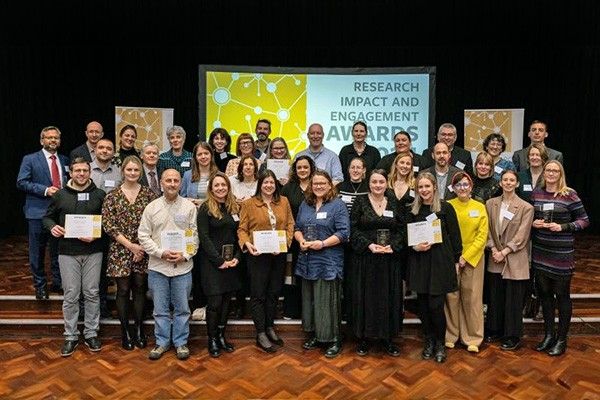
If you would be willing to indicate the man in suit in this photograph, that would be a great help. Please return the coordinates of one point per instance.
(150, 175)
(443, 171)
(93, 132)
(538, 132)
(459, 157)
(41, 175)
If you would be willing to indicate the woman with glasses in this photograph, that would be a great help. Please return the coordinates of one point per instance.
(220, 141)
(495, 144)
(464, 307)
(244, 147)
(558, 213)
(322, 226)
(432, 266)
(266, 211)
(377, 240)
(277, 150)
(510, 220)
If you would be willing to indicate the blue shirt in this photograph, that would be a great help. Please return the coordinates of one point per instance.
(193, 190)
(331, 219)
(327, 161)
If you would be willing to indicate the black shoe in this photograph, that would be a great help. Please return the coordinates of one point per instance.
(224, 344)
(510, 343)
(139, 338)
(273, 336)
(427, 352)
(362, 348)
(41, 293)
(68, 347)
(104, 312)
(57, 289)
(440, 352)
(559, 348)
(334, 350)
(546, 343)
(126, 341)
(311, 344)
(264, 343)
(492, 337)
(93, 343)
(213, 347)
(391, 348)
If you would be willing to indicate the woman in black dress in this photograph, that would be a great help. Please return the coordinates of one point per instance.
(377, 235)
(218, 222)
(432, 267)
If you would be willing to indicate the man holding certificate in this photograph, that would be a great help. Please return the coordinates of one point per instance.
(265, 231)
(74, 218)
(168, 234)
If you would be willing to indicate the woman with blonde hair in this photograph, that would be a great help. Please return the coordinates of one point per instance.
(485, 185)
(558, 213)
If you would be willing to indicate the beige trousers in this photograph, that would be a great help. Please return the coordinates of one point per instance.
(464, 308)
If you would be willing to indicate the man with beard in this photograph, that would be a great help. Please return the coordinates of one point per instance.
(443, 171)
(93, 133)
(262, 130)
(459, 157)
(41, 175)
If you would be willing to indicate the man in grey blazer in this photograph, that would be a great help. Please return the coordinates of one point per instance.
(538, 132)
(443, 171)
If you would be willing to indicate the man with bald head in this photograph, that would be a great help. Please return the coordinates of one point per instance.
(93, 132)
(324, 158)
(443, 171)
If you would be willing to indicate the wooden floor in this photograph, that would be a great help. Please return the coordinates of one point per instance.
(34, 370)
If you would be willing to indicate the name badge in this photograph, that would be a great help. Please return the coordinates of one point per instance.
(223, 156)
(66, 168)
(460, 165)
(507, 214)
(415, 168)
(473, 213)
(289, 257)
(185, 164)
(235, 217)
(450, 188)
(431, 217)
(498, 169)
(321, 215)
(109, 183)
(346, 198)
(527, 188)
(548, 207)
(388, 213)
(262, 157)
(411, 193)
(83, 196)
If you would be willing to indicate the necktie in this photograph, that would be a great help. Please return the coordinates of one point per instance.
(153, 182)
(54, 172)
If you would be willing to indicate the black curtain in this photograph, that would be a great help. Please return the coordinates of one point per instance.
(67, 64)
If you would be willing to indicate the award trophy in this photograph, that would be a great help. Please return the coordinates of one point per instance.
(547, 216)
(310, 233)
(227, 252)
(383, 237)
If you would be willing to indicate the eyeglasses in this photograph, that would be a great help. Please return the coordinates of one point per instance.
(462, 185)
(553, 171)
(320, 183)
(244, 143)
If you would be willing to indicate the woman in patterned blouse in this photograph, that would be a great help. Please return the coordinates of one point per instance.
(127, 262)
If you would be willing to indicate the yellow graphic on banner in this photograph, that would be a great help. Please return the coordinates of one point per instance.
(235, 101)
(147, 121)
(479, 124)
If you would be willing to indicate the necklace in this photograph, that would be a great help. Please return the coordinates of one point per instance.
(355, 187)
(379, 205)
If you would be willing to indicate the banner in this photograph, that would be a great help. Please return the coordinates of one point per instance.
(507, 122)
(151, 124)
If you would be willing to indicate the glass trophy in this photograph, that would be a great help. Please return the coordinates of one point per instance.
(227, 252)
(310, 232)
(383, 237)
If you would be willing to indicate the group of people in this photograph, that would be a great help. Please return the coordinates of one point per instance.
(337, 230)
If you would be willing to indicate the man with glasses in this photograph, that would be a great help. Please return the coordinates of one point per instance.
(459, 157)
(41, 175)
(93, 132)
(443, 171)
(538, 132)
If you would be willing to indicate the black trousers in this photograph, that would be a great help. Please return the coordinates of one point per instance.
(266, 273)
(431, 313)
(548, 287)
(505, 306)
(217, 310)
(199, 299)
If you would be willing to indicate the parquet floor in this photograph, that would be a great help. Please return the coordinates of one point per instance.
(34, 370)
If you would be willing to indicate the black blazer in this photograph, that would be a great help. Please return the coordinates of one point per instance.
(81, 151)
(457, 154)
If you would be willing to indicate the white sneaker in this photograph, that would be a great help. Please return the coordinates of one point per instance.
(199, 314)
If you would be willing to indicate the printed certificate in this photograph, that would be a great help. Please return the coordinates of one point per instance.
(83, 226)
(426, 231)
(270, 241)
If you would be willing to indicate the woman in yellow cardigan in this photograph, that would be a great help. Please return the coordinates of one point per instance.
(464, 308)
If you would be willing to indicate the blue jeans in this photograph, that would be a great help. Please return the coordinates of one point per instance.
(39, 238)
(167, 291)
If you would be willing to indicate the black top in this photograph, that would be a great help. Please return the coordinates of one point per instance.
(457, 154)
(213, 233)
(387, 161)
(485, 188)
(81, 151)
(294, 194)
(349, 191)
(370, 155)
(221, 159)
(434, 271)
